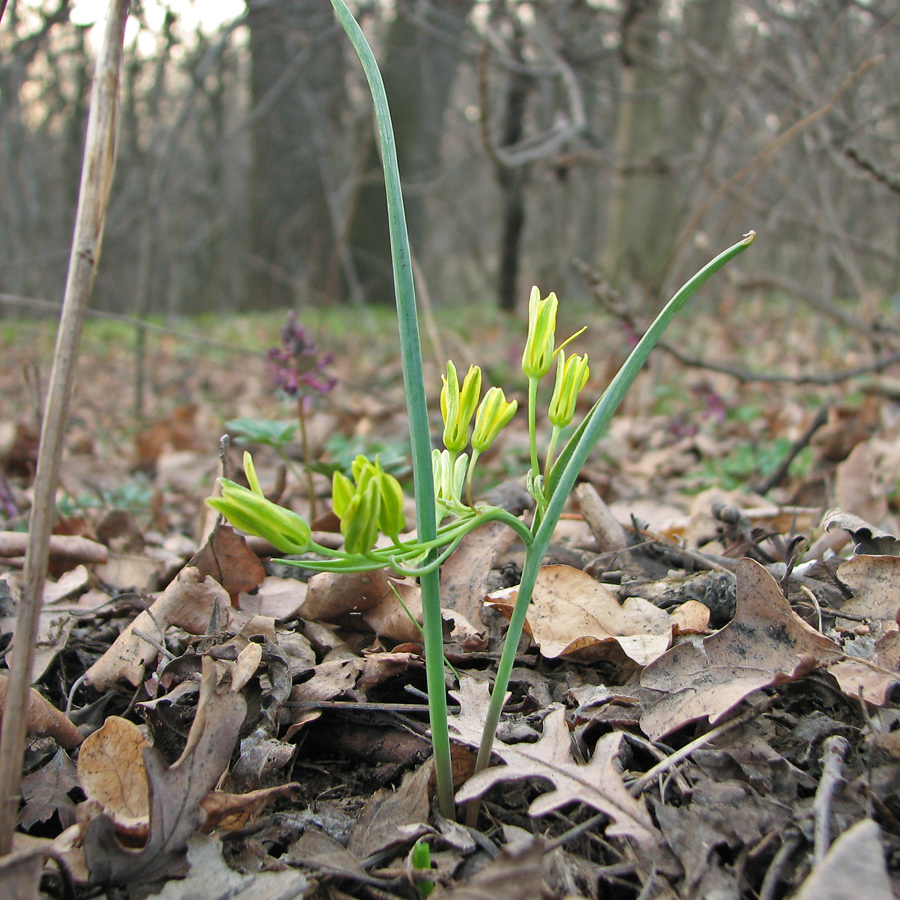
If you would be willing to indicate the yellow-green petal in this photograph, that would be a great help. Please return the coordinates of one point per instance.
(493, 415)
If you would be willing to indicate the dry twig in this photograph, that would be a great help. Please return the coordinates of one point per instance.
(96, 179)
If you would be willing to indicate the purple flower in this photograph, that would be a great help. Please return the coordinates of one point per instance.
(295, 362)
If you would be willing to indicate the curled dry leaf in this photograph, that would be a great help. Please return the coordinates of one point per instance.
(570, 613)
(44, 718)
(234, 811)
(766, 643)
(188, 602)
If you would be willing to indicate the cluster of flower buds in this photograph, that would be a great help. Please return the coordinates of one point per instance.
(369, 504)
(369, 501)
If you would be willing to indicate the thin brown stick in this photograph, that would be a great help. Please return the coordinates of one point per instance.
(96, 179)
(833, 751)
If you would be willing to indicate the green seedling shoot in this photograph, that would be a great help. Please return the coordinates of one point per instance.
(370, 503)
(420, 860)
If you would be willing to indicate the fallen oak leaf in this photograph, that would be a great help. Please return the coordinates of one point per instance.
(570, 612)
(597, 783)
(46, 792)
(176, 793)
(766, 643)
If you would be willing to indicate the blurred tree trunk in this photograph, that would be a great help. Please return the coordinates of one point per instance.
(658, 125)
(297, 92)
(419, 66)
(512, 179)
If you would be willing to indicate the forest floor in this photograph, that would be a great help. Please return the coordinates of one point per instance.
(703, 708)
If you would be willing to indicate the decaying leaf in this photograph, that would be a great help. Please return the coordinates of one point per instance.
(867, 538)
(571, 612)
(598, 783)
(188, 602)
(392, 817)
(514, 875)
(233, 811)
(766, 643)
(46, 791)
(875, 580)
(854, 864)
(176, 793)
(226, 557)
(464, 576)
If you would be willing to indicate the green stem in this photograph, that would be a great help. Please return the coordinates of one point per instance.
(307, 461)
(551, 452)
(562, 480)
(532, 425)
(420, 437)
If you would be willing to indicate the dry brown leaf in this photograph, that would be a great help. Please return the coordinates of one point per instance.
(464, 575)
(597, 783)
(226, 558)
(46, 791)
(111, 771)
(234, 811)
(392, 817)
(176, 793)
(766, 643)
(875, 581)
(188, 602)
(690, 617)
(332, 595)
(20, 874)
(514, 875)
(854, 863)
(571, 612)
(44, 718)
(280, 598)
(855, 487)
(867, 538)
(66, 548)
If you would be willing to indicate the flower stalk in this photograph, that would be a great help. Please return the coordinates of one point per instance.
(370, 504)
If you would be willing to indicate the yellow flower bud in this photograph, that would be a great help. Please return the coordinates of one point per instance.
(391, 520)
(342, 489)
(538, 355)
(458, 406)
(359, 524)
(255, 514)
(493, 415)
(571, 376)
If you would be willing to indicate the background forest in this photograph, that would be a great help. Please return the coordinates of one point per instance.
(636, 137)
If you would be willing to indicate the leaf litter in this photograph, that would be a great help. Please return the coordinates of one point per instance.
(209, 725)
